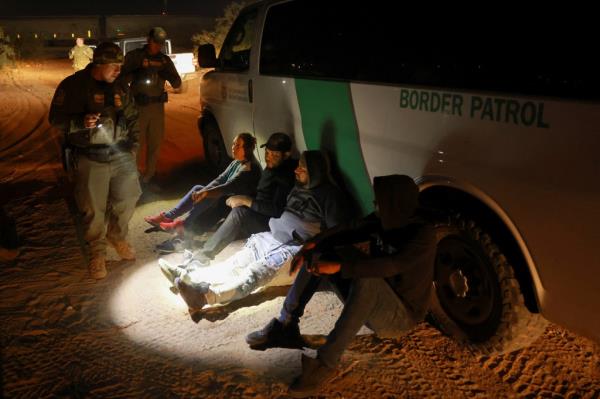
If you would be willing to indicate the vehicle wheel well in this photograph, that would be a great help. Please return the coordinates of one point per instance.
(443, 201)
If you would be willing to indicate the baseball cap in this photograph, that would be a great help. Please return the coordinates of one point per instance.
(278, 142)
(108, 53)
(157, 34)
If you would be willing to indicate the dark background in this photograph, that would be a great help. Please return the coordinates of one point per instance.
(10, 8)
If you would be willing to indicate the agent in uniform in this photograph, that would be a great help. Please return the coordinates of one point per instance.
(80, 54)
(99, 121)
(146, 69)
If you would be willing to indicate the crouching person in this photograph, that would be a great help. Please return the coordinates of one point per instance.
(314, 203)
(387, 287)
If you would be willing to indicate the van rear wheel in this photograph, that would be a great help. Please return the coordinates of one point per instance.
(476, 297)
(214, 147)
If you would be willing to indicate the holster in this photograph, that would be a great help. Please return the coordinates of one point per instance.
(69, 159)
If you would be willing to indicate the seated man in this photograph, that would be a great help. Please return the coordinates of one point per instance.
(387, 287)
(251, 215)
(314, 203)
(206, 204)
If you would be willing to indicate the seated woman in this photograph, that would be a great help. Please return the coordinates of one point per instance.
(206, 204)
(315, 203)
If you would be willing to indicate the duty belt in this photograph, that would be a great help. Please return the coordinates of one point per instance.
(143, 99)
(102, 153)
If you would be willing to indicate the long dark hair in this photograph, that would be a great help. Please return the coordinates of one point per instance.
(249, 144)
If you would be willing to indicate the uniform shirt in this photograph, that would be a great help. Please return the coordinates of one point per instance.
(81, 56)
(147, 73)
(80, 94)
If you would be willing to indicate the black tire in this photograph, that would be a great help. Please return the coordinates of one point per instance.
(476, 298)
(214, 147)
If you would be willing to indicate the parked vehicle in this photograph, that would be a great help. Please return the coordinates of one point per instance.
(497, 123)
(184, 62)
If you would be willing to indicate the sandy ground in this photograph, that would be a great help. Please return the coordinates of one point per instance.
(65, 335)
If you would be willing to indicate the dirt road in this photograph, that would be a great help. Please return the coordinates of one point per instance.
(65, 335)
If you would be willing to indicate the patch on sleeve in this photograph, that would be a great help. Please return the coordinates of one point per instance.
(99, 98)
(59, 97)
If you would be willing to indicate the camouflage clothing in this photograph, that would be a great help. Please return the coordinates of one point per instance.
(81, 56)
(146, 75)
(107, 186)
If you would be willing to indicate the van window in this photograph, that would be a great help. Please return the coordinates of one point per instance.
(317, 39)
(235, 53)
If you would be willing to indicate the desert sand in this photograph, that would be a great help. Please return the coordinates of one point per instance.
(129, 336)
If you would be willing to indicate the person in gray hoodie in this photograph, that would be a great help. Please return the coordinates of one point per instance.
(381, 267)
(314, 204)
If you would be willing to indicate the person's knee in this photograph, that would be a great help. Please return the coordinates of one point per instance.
(361, 287)
(239, 213)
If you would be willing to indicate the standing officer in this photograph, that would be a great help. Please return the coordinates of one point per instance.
(146, 70)
(80, 54)
(99, 121)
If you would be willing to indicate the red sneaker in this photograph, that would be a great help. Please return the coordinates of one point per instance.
(157, 219)
(173, 225)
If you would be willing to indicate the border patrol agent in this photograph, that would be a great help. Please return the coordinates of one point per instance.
(80, 54)
(146, 69)
(99, 121)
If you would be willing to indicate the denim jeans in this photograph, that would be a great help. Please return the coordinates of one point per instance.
(245, 271)
(185, 204)
(369, 301)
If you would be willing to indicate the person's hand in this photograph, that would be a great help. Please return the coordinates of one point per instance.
(239, 200)
(90, 120)
(198, 196)
(324, 267)
(299, 259)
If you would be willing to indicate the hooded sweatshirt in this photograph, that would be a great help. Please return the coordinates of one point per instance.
(312, 207)
(402, 246)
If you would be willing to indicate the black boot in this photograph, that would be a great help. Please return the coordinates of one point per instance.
(276, 335)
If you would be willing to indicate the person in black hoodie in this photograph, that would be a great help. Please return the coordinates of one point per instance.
(386, 284)
(251, 215)
(314, 204)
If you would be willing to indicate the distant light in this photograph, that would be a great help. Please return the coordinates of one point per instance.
(148, 81)
(72, 34)
(35, 35)
(89, 33)
(18, 35)
(54, 35)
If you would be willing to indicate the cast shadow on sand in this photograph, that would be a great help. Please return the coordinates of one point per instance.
(217, 313)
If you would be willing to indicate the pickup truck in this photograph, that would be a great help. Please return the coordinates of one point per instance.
(184, 62)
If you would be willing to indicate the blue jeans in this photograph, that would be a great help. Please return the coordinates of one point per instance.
(185, 204)
(203, 215)
(369, 301)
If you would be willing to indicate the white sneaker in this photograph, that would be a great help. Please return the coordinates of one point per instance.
(97, 267)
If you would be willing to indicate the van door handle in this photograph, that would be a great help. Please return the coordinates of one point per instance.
(250, 94)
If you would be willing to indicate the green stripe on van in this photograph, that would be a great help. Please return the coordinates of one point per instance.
(328, 123)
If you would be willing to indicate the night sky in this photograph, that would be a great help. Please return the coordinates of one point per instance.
(10, 8)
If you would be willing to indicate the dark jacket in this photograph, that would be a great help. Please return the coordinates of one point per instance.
(239, 178)
(313, 207)
(273, 189)
(404, 255)
(80, 94)
(147, 73)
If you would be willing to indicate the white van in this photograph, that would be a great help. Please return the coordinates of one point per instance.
(497, 120)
